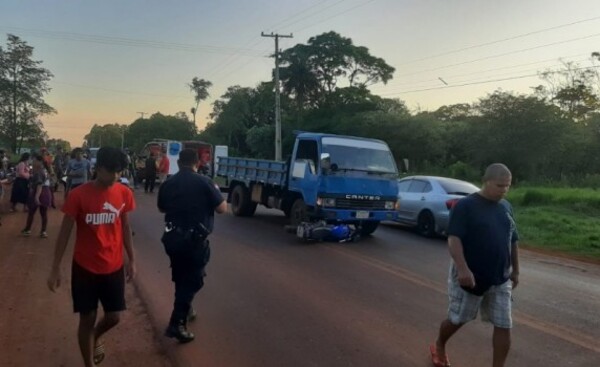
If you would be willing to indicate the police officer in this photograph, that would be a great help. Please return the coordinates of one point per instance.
(189, 201)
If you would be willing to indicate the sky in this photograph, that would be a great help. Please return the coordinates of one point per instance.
(114, 61)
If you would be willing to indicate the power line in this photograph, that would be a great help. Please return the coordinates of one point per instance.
(130, 42)
(333, 16)
(503, 54)
(483, 82)
(114, 90)
(501, 40)
(485, 71)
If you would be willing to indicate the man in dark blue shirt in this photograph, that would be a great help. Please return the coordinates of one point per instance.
(189, 201)
(483, 243)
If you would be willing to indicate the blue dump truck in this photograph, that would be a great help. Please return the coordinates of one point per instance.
(339, 179)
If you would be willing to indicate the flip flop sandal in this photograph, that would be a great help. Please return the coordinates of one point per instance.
(99, 353)
(436, 359)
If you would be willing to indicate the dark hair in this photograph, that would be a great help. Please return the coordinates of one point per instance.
(188, 157)
(24, 157)
(40, 158)
(111, 159)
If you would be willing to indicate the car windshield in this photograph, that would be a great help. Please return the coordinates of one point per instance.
(457, 187)
(359, 155)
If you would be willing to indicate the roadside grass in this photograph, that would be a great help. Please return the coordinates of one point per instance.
(565, 220)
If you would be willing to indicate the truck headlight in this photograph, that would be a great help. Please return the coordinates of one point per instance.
(390, 205)
(326, 202)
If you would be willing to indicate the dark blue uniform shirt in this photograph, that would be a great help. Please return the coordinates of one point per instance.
(487, 230)
(187, 198)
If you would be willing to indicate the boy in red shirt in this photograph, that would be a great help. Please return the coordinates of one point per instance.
(100, 210)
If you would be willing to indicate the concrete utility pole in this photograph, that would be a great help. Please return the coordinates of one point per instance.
(277, 102)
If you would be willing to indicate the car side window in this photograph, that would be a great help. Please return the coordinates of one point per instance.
(404, 185)
(427, 188)
(417, 186)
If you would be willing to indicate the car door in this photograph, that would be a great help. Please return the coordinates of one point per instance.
(413, 199)
(403, 186)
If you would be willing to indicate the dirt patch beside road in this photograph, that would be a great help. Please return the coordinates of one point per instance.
(38, 327)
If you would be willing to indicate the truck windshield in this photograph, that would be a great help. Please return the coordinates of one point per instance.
(359, 155)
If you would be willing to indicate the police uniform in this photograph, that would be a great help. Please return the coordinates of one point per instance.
(188, 200)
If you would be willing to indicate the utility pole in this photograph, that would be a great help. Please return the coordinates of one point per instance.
(142, 113)
(277, 102)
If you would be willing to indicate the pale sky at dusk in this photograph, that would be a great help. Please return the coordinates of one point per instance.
(112, 59)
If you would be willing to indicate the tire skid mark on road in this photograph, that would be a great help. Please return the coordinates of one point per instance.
(561, 332)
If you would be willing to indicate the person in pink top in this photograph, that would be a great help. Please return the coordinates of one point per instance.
(20, 189)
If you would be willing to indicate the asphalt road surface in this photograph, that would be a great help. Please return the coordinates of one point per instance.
(270, 300)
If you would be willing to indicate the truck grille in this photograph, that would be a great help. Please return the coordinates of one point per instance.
(359, 204)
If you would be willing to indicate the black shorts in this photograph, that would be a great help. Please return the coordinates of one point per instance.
(88, 288)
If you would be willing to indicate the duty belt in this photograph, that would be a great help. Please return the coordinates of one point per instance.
(199, 229)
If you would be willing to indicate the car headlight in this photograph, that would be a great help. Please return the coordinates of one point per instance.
(390, 205)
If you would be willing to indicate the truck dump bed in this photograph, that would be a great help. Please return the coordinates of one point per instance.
(253, 170)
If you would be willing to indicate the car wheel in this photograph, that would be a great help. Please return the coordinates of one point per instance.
(426, 224)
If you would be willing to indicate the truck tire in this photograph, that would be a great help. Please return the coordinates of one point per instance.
(298, 213)
(241, 206)
(368, 227)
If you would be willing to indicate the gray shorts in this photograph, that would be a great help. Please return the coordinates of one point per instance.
(495, 304)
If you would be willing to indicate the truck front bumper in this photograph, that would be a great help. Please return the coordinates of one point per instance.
(353, 216)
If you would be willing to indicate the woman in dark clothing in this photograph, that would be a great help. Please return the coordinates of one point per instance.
(40, 195)
(20, 190)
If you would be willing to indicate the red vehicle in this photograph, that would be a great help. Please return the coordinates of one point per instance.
(205, 153)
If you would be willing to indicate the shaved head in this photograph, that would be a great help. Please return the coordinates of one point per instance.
(496, 182)
(496, 171)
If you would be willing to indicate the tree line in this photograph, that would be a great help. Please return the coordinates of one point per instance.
(550, 134)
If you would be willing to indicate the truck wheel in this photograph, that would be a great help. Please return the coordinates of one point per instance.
(298, 213)
(426, 224)
(368, 227)
(239, 201)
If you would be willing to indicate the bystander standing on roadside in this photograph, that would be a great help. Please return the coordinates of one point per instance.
(78, 169)
(163, 167)
(40, 195)
(189, 202)
(100, 210)
(150, 173)
(483, 244)
(20, 187)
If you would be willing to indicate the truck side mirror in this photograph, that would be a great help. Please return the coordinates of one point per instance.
(325, 161)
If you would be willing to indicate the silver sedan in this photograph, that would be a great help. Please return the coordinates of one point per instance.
(425, 201)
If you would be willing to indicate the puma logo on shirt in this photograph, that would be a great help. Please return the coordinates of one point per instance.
(104, 218)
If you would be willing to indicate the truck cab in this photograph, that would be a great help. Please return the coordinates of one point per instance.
(340, 179)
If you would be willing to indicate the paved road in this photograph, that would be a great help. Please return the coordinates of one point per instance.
(271, 301)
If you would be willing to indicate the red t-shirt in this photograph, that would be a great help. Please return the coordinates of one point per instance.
(163, 166)
(97, 212)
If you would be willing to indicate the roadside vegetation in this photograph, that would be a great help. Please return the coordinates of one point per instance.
(565, 220)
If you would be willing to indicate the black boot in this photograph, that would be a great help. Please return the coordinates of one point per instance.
(179, 331)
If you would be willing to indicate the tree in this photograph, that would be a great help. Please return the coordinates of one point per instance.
(328, 62)
(572, 88)
(200, 89)
(55, 143)
(159, 126)
(23, 84)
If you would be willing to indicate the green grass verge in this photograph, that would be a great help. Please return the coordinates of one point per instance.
(559, 219)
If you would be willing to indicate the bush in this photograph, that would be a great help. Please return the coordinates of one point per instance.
(536, 197)
(464, 171)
